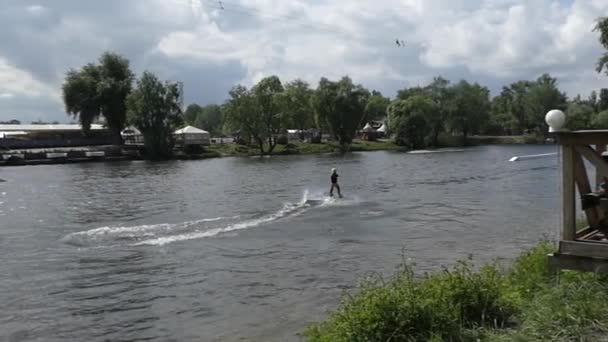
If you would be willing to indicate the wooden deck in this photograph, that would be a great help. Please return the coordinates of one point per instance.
(586, 249)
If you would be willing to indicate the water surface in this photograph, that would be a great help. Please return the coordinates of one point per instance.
(234, 249)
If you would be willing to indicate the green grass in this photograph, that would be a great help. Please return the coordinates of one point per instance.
(303, 148)
(521, 303)
(447, 140)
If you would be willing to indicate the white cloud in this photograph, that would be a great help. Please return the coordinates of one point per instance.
(14, 81)
(6, 96)
(35, 9)
(490, 41)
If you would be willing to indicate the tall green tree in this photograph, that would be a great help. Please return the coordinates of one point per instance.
(241, 113)
(471, 107)
(602, 104)
(100, 89)
(579, 116)
(267, 94)
(376, 107)
(210, 119)
(341, 106)
(602, 28)
(191, 114)
(80, 95)
(544, 96)
(408, 120)
(154, 107)
(296, 103)
(442, 95)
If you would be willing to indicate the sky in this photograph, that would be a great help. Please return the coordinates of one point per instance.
(212, 45)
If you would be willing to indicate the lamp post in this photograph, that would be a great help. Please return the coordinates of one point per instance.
(556, 119)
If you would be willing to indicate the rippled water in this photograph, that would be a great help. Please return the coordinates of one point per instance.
(247, 248)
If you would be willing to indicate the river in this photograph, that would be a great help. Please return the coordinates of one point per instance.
(239, 249)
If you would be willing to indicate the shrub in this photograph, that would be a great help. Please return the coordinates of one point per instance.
(282, 140)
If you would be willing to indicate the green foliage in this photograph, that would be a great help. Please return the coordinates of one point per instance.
(257, 113)
(579, 116)
(192, 112)
(600, 121)
(100, 89)
(376, 107)
(522, 303)
(602, 104)
(408, 121)
(471, 105)
(267, 98)
(210, 119)
(296, 104)
(340, 106)
(154, 108)
(241, 113)
(602, 28)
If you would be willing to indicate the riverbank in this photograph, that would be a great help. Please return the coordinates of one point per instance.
(445, 141)
(115, 153)
(524, 302)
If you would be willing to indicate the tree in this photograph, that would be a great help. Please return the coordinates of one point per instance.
(601, 120)
(210, 118)
(296, 103)
(592, 100)
(376, 107)
(602, 27)
(241, 113)
(471, 104)
(80, 95)
(543, 97)
(191, 114)
(267, 97)
(602, 104)
(579, 116)
(407, 119)
(501, 121)
(100, 89)
(441, 94)
(154, 108)
(341, 106)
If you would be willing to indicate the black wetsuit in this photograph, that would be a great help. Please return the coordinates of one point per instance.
(334, 184)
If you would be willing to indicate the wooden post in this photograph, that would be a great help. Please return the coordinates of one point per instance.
(598, 177)
(568, 205)
(582, 183)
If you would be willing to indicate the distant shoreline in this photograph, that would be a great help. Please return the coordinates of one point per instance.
(116, 153)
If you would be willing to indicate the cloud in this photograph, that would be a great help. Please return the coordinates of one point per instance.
(211, 48)
(14, 81)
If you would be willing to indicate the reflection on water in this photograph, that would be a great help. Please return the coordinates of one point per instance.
(247, 247)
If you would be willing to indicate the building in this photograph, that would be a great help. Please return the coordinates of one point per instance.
(52, 135)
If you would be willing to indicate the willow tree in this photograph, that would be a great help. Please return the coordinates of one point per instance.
(409, 120)
(100, 90)
(340, 106)
(154, 107)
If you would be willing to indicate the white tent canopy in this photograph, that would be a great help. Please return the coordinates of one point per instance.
(190, 135)
(368, 128)
(130, 131)
(382, 129)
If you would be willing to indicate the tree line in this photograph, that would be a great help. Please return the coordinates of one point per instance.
(108, 89)
(261, 114)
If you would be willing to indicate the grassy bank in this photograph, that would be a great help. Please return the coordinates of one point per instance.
(520, 303)
(357, 146)
(303, 148)
(446, 140)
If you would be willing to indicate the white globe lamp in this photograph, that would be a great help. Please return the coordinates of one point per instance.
(556, 119)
